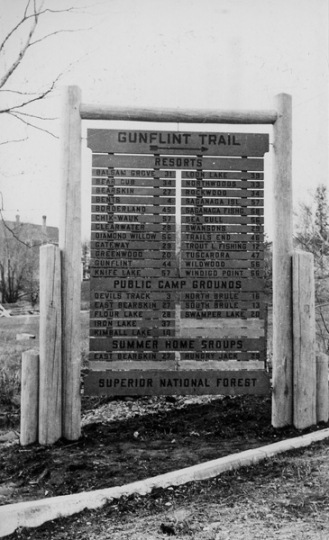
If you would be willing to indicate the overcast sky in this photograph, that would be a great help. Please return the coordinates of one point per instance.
(235, 54)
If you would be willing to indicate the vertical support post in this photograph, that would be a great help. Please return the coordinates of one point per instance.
(282, 260)
(304, 372)
(29, 397)
(50, 386)
(70, 245)
(322, 388)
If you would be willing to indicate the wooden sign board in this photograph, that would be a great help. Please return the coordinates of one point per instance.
(146, 280)
(149, 383)
(173, 142)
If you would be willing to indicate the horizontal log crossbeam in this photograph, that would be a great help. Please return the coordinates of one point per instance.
(195, 116)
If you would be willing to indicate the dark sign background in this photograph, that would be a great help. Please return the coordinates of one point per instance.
(176, 246)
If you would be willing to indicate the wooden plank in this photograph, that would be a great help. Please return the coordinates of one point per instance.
(282, 404)
(105, 294)
(50, 386)
(190, 235)
(112, 358)
(69, 243)
(304, 368)
(231, 303)
(236, 211)
(135, 245)
(137, 176)
(220, 192)
(132, 209)
(173, 142)
(105, 199)
(219, 201)
(134, 364)
(136, 219)
(176, 344)
(220, 273)
(136, 228)
(133, 183)
(221, 177)
(203, 116)
(129, 272)
(223, 229)
(103, 251)
(150, 360)
(167, 365)
(29, 398)
(322, 388)
(173, 382)
(219, 313)
(143, 263)
(135, 191)
(176, 285)
(227, 246)
(196, 251)
(116, 333)
(226, 325)
(129, 236)
(254, 221)
(220, 364)
(208, 332)
(143, 161)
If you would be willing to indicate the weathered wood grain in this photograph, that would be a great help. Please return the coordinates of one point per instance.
(29, 398)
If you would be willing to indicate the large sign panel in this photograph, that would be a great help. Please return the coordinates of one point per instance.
(177, 262)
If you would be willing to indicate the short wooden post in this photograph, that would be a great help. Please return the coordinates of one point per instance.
(282, 252)
(70, 245)
(304, 340)
(50, 388)
(322, 396)
(29, 397)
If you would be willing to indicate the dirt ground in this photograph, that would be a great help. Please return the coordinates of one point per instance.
(125, 440)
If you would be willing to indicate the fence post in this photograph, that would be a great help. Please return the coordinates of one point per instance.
(282, 253)
(304, 340)
(29, 397)
(50, 386)
(322, 388)
(70, 245)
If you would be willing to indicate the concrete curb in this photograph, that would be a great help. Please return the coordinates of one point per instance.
(35, 513)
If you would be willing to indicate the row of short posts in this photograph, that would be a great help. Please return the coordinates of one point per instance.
(41, 390)
(50, 399)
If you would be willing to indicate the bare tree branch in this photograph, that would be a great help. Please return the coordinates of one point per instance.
(57, 32)
(22, 52)
(32, 125)
(36, 116)
(13, 141)
(18, 92)
(37, 98)
(12, 232)
(26, 17)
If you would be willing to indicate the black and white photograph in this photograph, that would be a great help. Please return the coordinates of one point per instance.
(164, 269)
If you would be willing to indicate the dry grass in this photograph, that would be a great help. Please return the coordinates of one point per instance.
(11, 351)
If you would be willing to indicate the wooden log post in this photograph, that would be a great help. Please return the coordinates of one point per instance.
(282, 401)
(50, 387)
(322, 397)
(70, 245)
(304, 372)
(29, 398)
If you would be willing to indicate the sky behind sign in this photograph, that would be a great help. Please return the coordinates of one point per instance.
(212, 54)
